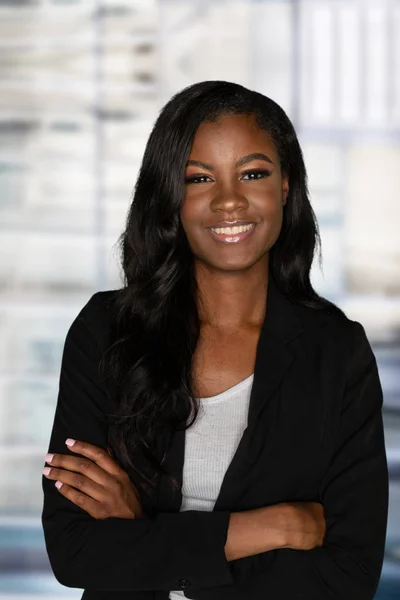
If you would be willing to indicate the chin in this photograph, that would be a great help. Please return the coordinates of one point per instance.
(232, 264)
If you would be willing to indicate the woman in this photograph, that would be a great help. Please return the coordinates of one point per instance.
(227, 419)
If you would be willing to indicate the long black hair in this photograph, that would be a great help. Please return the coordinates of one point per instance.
(156, 325)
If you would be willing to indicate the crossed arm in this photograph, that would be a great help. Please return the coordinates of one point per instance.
(154, 554)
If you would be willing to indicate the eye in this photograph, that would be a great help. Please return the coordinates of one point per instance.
(197, 179)
(256, 174)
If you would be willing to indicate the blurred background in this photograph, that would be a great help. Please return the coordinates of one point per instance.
(81, 84)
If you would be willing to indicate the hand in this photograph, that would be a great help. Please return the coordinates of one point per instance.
(97, 484)
(306, 526)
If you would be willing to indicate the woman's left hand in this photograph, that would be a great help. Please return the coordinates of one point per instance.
(96, 483)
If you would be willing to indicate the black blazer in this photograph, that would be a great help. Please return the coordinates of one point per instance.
(314, 433)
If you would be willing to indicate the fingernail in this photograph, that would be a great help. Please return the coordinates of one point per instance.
(48, 457)
(58, 484)
(46, 471)
(70, 442)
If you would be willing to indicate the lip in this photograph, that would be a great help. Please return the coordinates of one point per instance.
(232, 238)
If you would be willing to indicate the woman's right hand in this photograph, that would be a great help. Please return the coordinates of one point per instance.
(306, 526)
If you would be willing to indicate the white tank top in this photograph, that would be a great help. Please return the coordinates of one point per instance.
(210, 445)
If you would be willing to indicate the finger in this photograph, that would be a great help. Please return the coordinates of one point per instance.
(100, 456)
(78, 481)
(99, 465)
(89, 505)
(84, 466)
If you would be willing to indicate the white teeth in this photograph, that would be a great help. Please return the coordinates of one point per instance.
(232, 230)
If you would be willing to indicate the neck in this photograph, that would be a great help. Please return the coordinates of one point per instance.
(228, 300)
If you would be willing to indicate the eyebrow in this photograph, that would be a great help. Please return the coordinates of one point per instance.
(242, 161)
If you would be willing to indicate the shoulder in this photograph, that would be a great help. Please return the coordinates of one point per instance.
(99, 306)
(334, 327)
(96, 315)
(338, 343)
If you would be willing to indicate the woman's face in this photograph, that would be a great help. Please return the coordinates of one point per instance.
(233, 173)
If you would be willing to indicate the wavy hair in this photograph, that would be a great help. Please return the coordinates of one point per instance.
(156, 325)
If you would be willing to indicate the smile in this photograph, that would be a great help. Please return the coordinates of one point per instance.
(232, 235)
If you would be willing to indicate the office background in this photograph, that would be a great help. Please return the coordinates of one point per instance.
(81, 84)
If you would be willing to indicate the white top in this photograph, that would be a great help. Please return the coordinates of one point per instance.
(210, 445)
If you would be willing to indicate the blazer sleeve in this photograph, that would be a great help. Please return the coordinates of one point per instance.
(354, 492)
(118, 554)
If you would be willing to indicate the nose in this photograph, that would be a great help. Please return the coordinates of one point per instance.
(229, 198)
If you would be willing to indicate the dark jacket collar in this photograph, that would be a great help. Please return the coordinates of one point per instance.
(281, 325)
(282, 314)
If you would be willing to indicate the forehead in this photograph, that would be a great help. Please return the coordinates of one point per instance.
(232, 131)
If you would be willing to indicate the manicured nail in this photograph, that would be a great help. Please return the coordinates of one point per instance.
(48, 457)
(58, 484)
(70, 442)
(46, 471)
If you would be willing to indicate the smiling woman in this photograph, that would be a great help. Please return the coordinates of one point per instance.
(227, 418)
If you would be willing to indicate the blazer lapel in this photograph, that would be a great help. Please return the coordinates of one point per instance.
(274, 356)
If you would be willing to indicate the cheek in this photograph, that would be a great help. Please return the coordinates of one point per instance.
(188, 216)
(267, 201)
(269, 188)
(192, 209)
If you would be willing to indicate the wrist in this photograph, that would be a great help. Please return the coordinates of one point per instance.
(279, 519)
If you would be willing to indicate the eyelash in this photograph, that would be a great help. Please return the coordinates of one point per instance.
(263, 172)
